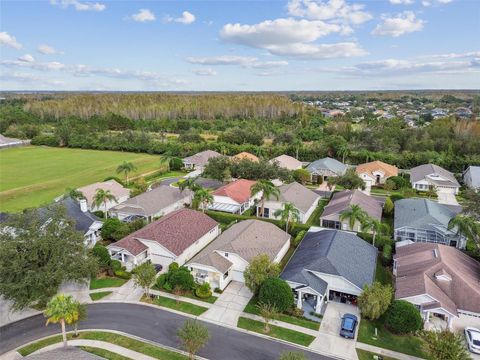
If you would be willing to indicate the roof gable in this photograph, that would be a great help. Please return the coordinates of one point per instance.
(239, 190)
(328, 164)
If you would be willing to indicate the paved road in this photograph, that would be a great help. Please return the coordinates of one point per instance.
(155, 325)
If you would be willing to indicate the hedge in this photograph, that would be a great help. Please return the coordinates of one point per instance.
(276, 292)
(403, 317)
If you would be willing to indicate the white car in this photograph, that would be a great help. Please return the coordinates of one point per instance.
(473, 339)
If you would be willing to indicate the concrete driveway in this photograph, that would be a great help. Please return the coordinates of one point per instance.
(328, 339)
(229, 305)
(447, 199)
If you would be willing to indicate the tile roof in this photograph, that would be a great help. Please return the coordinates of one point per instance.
(175, 232)
(328, 164)
(297, 194)
(114, 187)
(201, 158)
(418, 266)
(247, 239)
(287, 162)
(152, 202)
(238, 190)
(420, 172)
(373, 166)
(333, 252)
(342, 201)
(245, 156)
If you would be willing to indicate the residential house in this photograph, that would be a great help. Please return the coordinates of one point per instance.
(375, 173)
(121, 194)
(287, 162)
(199, 160)
(235, 197)
(152, 204)
(442, 282)
(325, 168)
(342, 201)
(329, 265)
(304, 199)
(226, 258)
(176, 237)
(422, 220)
(245, 156)
(471, 177)
(424, 177)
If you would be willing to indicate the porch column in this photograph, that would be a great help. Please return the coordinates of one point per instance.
(299, 299)
(449, 323)
(122, 256)
(317, 305)
(427, 317)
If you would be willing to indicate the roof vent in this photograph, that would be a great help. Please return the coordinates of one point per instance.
(435, 253)
(442, 274)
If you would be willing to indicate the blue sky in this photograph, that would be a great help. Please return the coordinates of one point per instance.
(239, 45)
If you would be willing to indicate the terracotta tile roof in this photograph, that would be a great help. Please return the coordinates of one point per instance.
(175, 231)
(370, 167)
(245, 156)
(419, 267)
(238, 190)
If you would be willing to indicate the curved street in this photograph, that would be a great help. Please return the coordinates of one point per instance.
(155, 325)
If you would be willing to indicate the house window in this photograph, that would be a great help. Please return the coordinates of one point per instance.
(225, 275)
(226, 254)
(266, 212)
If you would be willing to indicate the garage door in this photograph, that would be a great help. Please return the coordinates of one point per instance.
(238, 276)
(162, 260)
(445, 190)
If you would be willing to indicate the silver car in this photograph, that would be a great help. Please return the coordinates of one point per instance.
(473, 339)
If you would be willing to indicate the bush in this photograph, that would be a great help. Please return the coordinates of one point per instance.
(102, 255)
(218, 290)
(181, 278)
(161, 280)
(173, 266)
(115, 265)
(400, 182)
(122, 274)
(109, 227)
(276, 292)
(403, 317)
(395, 197)
(46, 140)
(387, 254)
(299, 238)
(203, 291)
(117, 179)
(176, 163)
(388, 206)
(99, 213)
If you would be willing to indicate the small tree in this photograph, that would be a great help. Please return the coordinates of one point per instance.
(267, 312)
(181, 277)
(260, 269)
(388, 206)
(190, 183)
(276, 292)
(100, 252)
(288, 214)
(267, 189)
(374, 300)
(290, 355)
(302, 176)
(444, 345)
(376, 226)
(203, 197)
(144, 276)
(403, 317)
(354, 214)
(82, 315)
(193, 336)
(61, 309)
(101, 197)
(125, 168)
(177, 291)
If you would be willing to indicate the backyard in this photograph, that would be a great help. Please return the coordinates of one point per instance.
(32, 176)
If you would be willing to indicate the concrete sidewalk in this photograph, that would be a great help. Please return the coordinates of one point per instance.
(127, 291)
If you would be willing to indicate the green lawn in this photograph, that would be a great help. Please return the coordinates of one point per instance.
(98, 295)
(100, 283)
(407, 344)
(314, 219)
(276, 332)
(104, 353)
(120, 340)
(179, 306)
(382, 274)
(367, 355)
(32, 176)
(251, 308)
(191, 295)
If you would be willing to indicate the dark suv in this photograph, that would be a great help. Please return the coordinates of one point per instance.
(349, 324)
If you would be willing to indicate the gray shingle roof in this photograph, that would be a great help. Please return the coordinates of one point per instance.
(329, 164)
(475, 176)
(333, 252)
(300, 196)
(83, 220)
(343, 200)
(201, 158)
(418, 173)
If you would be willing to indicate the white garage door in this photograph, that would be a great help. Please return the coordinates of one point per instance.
(445, 190)
(162, 260)
(238, 276)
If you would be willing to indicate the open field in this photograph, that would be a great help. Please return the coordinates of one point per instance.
(32, 176)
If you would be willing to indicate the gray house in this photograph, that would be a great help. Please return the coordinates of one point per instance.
(199, 160)
(326, 167)
(422, 220)
(425, 176)
(329, 265)
(471, 177)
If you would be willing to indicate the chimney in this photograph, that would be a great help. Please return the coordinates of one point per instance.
(83, 205)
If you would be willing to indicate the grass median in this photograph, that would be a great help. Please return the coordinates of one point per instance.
(182, 306)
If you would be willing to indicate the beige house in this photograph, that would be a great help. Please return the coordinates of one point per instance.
(287, 162)
(121, 194)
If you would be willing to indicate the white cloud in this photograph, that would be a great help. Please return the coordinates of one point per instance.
(244, 61)
(47, 50)
(144, 15)
(338, 11)
(401, 2)
(398, 25)
(9, 40)
(470, 54)
(27, 58)
(27, 78)
(427, 3)
(78, 5)
(186, 18)
(205, 72)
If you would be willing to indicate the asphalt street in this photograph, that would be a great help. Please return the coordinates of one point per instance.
(155, 325)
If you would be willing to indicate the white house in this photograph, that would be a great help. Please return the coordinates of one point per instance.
(424, 177)
(304, 199)
(176, 237)
(226, 258)
(471, 177)
(235, 197)
(121, 194)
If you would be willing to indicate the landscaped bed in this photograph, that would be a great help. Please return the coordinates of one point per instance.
(106, 282)
(211, 299)
(251, 308)
(99, 295)
(182, 306)
(276, 332)
(120, 340)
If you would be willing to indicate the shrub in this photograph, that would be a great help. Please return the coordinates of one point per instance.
(298, 238)
(109, 227)
(395, 197)
(99, 213)
(161, 280)
(400, 182)
(276, 292)
(388, 206)
(387, 254)
(115, 265)
(260, 269)
(102, 255)
(173, 266)
(403, 317)
(176, 163)
(181, 278)
(47, 140)
(122, 274)
(203, 291)
(167, 286)
(374, 300)
(218, 290)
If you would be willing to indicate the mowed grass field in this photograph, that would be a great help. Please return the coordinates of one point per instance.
(32, 176)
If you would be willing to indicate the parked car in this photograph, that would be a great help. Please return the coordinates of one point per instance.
(349, 324)
(158, 268)
(473, 339)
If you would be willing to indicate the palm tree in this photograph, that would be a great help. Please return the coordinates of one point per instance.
(465, 226)
(344, 151)
(376, 226)
(203, 197)
(102, 197)
(126, 167)
(289, 214)
(267, 189)
(356, 213)
(61, 309)
(189, 183)
(166, 160)
(74, 194)
(82, 315)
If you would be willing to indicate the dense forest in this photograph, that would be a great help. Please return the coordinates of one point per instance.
(264, 124)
